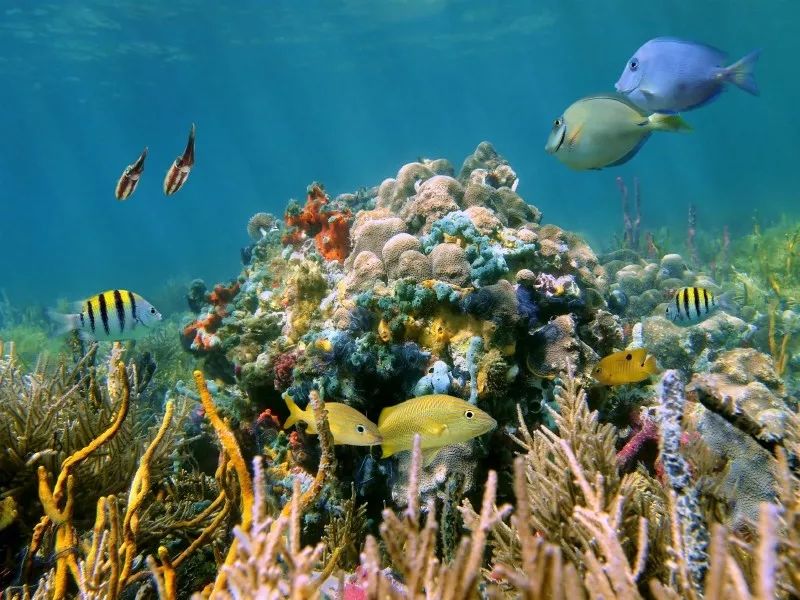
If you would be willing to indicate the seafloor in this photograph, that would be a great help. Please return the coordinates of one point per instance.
(161, 469)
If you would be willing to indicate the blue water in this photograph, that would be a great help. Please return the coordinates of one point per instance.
(288, 92)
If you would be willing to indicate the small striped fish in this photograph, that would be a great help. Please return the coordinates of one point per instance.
(110, 316)
(691, 304)
(178, 173)
(130, 177)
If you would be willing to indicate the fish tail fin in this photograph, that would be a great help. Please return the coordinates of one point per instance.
(742, 73)
(63, 323)
(650, 365)
(727, 302)
(295, 412)
(665, 122)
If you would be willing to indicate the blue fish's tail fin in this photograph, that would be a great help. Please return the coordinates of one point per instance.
(665, 122)
(742, 73)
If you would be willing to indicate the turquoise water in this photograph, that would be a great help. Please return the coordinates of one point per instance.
(285, 93)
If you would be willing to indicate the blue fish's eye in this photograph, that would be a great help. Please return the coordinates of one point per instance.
(557, 123)
(634, 64)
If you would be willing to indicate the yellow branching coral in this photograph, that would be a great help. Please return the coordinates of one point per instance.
(231, 447)
(60, 514)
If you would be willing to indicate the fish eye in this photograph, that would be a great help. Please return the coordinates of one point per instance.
(430, 370)
(152, 310)
(360, 428)
(628, 356)
(469, 414)
(557, 123)
(634, 64)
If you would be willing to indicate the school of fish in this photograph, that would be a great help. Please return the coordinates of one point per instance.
(665, 76)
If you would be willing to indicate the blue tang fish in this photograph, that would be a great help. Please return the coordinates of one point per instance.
(669, 75)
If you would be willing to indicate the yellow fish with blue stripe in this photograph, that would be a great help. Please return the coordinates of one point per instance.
(348, 426)
(110, 316)
(625, 366)
(439, 419)
(690, 304)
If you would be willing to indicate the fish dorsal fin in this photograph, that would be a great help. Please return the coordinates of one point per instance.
(428, 455)
(385, 413)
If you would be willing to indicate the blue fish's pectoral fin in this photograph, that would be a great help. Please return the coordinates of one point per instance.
(630, 154)
(649, 94)
(428, 455)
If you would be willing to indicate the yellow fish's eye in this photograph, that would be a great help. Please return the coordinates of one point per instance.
(629, 356)
(360, 428)
(598, 369)
(469, 414)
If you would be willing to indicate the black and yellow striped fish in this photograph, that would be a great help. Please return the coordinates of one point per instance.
(691, 304)
(110, 316)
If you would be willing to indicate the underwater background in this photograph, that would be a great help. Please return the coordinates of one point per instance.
(366, 334)
(284, 93)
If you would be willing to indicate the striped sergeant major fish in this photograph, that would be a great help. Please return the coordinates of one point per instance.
(110, 316)
(130, 177)
(178, 173)
(690, 304)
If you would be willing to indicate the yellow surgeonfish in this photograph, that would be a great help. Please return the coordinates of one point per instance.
(625, 366)
(348, 426)
(605, 131)
(439, 419)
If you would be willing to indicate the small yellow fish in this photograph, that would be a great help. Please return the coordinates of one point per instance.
(625, 366)
(439, 419)
(348, 426)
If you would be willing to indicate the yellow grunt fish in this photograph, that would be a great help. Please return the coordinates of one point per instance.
(439, 419)
(348, 426)
(625, 366)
